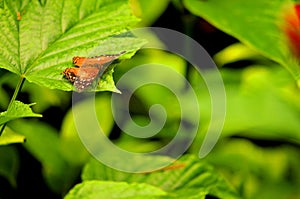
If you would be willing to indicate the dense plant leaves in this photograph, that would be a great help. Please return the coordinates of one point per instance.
(9, 136)
(256, 23)
(186, 176)
(43, 143)
(9, 163)
(40, 44)
(102, 189)
(17, 110)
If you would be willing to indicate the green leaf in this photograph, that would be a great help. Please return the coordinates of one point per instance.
(43, 143)
(41, 45)
(187, 174)
(17, 110)
(253, 176)
(9, 137)
(149, 11)
(261, 104)
(255, 23)
(9, 163)
(237, 52)
(70, 141)
(260, 99)
(99, 189)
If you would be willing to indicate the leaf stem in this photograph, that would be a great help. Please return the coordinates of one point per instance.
(17, 90)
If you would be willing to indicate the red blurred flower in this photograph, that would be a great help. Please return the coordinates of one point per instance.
(292, 28)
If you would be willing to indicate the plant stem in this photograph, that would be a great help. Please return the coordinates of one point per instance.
(17, 90)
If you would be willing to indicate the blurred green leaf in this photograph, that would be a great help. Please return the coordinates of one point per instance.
(70, 141)
(42, 43)
(17, 110)
(43, 143)
(262, 102)
(149, 11)
(5, 77)
(185, 176)
(129, 143)
(238, 52)
(157, 62)
(9, 137)
(9, 164)
(259, 107)
(255, 23)
(100, 189)
(261, 172)
(44, 97)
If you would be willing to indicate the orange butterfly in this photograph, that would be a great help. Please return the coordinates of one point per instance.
(88, 69)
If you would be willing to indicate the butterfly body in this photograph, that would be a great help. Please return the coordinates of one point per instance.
(87, 69)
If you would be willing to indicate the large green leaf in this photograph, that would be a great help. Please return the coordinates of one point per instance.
(256, 23)
(41, 44)
(186, 177)
(100, 189)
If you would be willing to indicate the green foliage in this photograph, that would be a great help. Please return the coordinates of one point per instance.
(70, 141)
(8, 137)
(17, 110)
(149, 11)
(38, 40)
(43, 142)
(257, 155)
(100, 189)
(9, 164)
(260, 172)
(256, 23)
(187, 177)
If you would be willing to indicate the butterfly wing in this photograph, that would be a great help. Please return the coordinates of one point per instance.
(70, 74)
(85, 77)
(95, 61)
